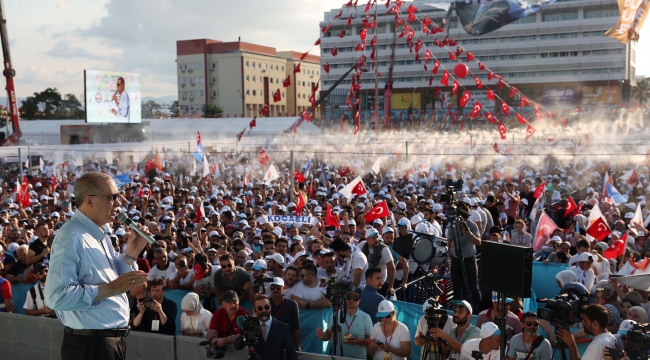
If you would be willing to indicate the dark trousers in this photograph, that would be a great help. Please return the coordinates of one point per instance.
(471, 271)
(78, 347)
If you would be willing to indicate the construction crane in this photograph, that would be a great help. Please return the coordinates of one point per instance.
(388, 91)
(9, 74)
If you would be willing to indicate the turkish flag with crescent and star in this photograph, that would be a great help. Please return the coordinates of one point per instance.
(571, 208)
(379, 211)
(465, 99)
(615, 250)
(359, 189)
(599, 229)
(502, 131)
(331, 219)
(477, 107)
(529, 131)
(298, 176)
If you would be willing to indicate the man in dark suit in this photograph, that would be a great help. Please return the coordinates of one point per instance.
(276, 336)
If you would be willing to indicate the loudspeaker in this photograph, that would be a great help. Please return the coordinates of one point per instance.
(506, 268)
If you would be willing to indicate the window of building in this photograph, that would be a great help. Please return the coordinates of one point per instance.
(271, 80)
(282, 67)
(601, 13)
(248, 78)
(259, 65)
(254, 79)
(253, 64)
(248, 92)
(265, 67)
(560, 17)
(202, 79)
(254, 92)
(247, 63)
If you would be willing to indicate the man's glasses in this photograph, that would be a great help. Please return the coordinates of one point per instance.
(276, 287)
(226, 266)
(352, 298)
(531, 324)
(262, 308)
(110, 197)
(42, 272)
(304, 275)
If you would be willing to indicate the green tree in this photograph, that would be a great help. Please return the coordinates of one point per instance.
(174, 108)
(44, 105)
(70, 108)
(212, 111)
(641, 91)
(429, 98)
(149, 108)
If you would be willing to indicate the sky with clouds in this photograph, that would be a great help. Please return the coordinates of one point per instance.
(53, 41)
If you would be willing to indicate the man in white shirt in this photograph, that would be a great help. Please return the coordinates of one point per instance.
(594, 320)
(308, 294)
(355, 262)
(379, 255)
(35, 301)
(163, 269)
(488, 344)
(123, 111)
(585, 273)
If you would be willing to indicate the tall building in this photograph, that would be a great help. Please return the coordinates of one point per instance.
(242, 77)
(557, 57)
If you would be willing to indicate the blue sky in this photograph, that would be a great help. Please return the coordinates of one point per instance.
(52, 41)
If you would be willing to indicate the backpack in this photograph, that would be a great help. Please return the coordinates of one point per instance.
(373, 260)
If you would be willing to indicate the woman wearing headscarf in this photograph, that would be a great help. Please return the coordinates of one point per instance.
(638, 314)
(564, 277)
(195, 320)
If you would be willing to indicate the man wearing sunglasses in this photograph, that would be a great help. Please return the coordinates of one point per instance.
(89, 279)
(35, 301)
(457, 335)
(276, 339)
(223, 325)
(529, 345)
(285, 310)
(356, 329)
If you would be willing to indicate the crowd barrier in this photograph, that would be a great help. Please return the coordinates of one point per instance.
(28, 335)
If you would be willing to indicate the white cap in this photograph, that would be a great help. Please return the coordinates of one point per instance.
(213, 233)
(276, 257)
(259, 264)
(120, 232)
(489, 329)
(371, 232)
(585, 256)
(278, 281)
(385, 308)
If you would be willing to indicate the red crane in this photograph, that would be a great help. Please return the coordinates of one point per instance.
(388, 91)
(9, 74)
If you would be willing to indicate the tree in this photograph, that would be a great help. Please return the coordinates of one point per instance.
(70, 108)
(212, 111)
(641, 91)
(174, 109)
(429, 98)
(49, 104)
(149, 108)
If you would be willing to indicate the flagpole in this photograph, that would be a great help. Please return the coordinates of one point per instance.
(20, 164)
(292, 173)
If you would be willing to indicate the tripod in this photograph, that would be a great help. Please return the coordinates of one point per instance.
(426, 349)
(338, 305)
(454, 231)
(559, 345)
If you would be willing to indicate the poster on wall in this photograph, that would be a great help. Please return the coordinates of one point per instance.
(405, 101)
(558, 96)
(601, 95)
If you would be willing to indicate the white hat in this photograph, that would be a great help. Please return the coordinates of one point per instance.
(585, 256)
(524, 201)
(426, 305)
(259, 264)
(299, 254)
(387, 229)
(213, 233)
(555, 238)
(489, 329)
(276, 257)
(625, 326)
(629, 215)
(120, 232)
(371, 232)
(385, 308)
(278, 281)
(416, 219)
(464, 303)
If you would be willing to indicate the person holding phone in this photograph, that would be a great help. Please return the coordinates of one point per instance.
(390, 338)
(182, 278)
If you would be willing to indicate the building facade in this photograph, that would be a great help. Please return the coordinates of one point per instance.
(557, 57)
(241, 77)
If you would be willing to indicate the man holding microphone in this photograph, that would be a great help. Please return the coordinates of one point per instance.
(88, 280)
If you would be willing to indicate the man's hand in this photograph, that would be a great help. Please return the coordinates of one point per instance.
(135, 243)
(247, 286)
(320, 334)
(438, 333)
(128, 281)
(114, 112)
(566, 336)
(141, 307)
(157, 307)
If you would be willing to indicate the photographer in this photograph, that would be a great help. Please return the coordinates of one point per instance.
(223, 325)
(276, 339)
(594, 321)
(434, 318)
(355, 262)
(458, 334)
(468, 241)
(358, 326)
(529, 344)
(487, 345)
(159, 316)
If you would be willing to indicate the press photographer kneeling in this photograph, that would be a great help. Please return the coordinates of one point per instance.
(455, 336)
(266, 337)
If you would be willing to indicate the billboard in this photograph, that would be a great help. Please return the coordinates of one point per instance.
(558, 96)
(481, 17)
(112, 97)
(404, 101)
(600, 95)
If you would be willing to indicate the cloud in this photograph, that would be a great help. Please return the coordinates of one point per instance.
(68, 48)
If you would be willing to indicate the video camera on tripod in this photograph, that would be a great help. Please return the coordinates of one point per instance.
(334, 292)
(258, 284)
(213, 351)
(252, 333)
(639, 336)
(565, 309)
(435, 314)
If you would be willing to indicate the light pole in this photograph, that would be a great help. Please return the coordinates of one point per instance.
(609, 76)
(243, 104)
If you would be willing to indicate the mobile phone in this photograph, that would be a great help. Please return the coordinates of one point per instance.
(113, 240)
(477, 355)
(148, 304)
(182, 264)
(380, 343)
(222, 246)
(195, 237)
(257, 247)
(615, 353)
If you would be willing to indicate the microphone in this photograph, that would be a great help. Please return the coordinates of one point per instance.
(121, 217)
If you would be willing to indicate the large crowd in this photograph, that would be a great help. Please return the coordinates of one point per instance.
(216, 235)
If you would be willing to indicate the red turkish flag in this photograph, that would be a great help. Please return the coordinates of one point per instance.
(264, 111)
(540, 190)
(465, 98)
(454, 87)
(512, 92)
(379, 211)
(240, 134)
(477, 107)
(303, 56)
(331, 219)
(481, 66)
(326, 68)
(496, 174)
(479, 83)
(452, 57)
(634, 177)
(298, 176)
(529, 131)
(53, 182)
(505, 109)
(287, 81)
(599, 229)
(436, 65)
(359, 189)
(300, 203)
(459, 51)
(490, 94)
(571, 208)
(490, 117)
(502, 131)
(470, 57)
(253, 123)
(445, 78)
(305, 115)
(496, 147)
(334, 53)
(263, 158)
(276, 96)
(641, 265)
(296, 68)
(521, 119)
(317, 42)
(614, 251)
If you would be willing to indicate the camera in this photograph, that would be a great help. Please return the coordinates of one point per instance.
(335, 292)
(435, 315)
(258, 284)
(477, 355)
(564, 309)
(252, 333)
(639, 335)
(450, 198)
(213, 351)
